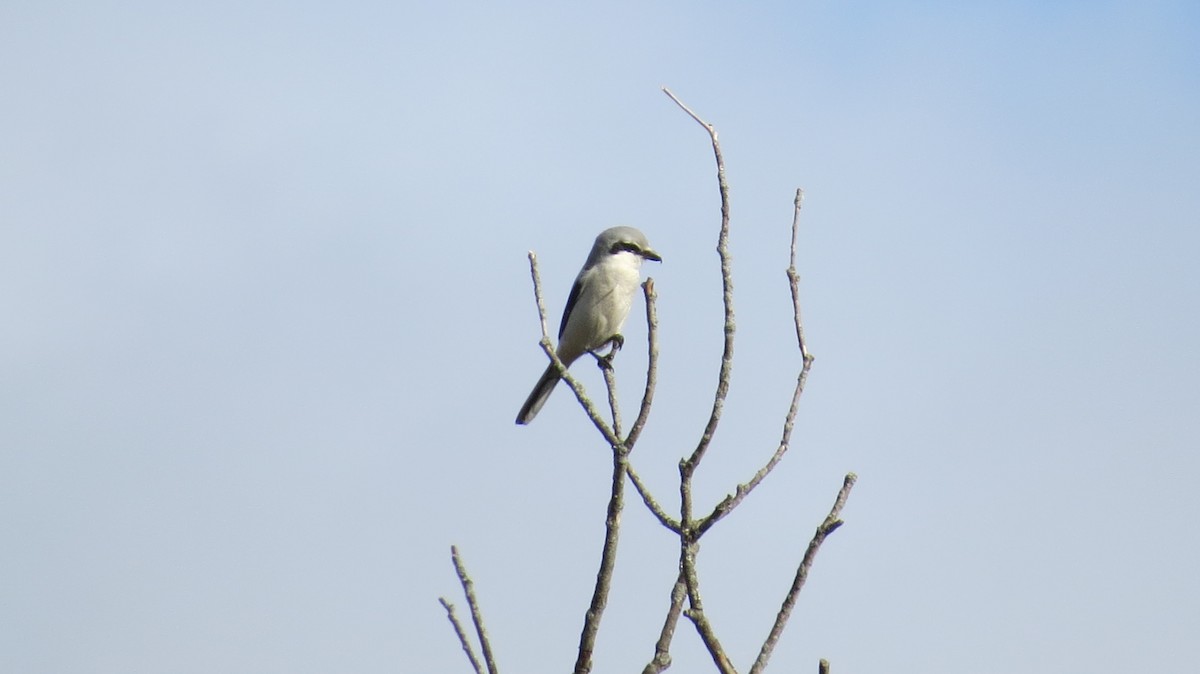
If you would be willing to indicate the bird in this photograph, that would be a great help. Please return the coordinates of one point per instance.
(597, 306)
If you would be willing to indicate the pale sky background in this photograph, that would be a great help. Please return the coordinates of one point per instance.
(267, 321)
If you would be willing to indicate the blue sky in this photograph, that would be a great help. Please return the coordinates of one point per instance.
(268, 320)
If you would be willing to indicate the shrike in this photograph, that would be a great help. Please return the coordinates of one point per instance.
(597, 306)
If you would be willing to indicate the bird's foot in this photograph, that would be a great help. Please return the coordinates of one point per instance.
(614, 343)
(617, 341)
(604, 362)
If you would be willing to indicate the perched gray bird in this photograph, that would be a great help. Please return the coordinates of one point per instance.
(597, 306)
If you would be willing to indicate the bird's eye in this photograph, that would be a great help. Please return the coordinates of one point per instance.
(627, 246)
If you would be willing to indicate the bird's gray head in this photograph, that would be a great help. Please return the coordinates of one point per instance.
(616, 240)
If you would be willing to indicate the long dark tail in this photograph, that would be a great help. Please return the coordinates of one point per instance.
(541, 392)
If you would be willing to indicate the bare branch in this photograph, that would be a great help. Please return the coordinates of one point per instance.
(831, 524)
(688, 549)
(608, 560)
(468, 587)
(462, 635)
(651, 364)
(735, 499)
(662, 648)
(730, 502)
(727, 293)
(610, 383)
(537, 294)
(643, 491)
(701, 122)
(823, 666)
(695, 610)
(647, 400)
(548, 348)
(794, 282)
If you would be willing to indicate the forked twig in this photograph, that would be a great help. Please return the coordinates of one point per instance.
(468, 587)
(690, 529)
(688, 536)
(462, 635)
(730, 502)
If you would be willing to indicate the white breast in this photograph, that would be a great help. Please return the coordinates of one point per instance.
(605, 297)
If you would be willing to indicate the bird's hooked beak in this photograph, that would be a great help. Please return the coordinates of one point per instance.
(651, 255)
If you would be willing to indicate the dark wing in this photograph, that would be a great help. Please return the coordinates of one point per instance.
(571, 300)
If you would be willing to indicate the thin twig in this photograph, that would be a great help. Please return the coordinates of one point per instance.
(658, 511)
(794, 282)
(468, 587)
(548, 348)
(537, 294)
(830, 525)
(647, 399)
(731, 501)
(608, 560)
(688, 110)
(462, 635)
(662, 648)
(610, 383)
(651, 364)
(726, 294)
(823, 666)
